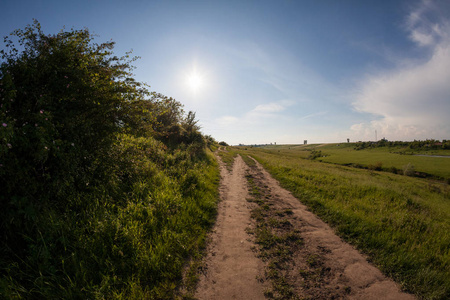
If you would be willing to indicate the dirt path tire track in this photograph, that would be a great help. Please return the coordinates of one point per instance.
(348, 268)
(232, 268)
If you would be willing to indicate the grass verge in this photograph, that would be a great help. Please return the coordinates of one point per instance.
(227, 154)
(133, 245)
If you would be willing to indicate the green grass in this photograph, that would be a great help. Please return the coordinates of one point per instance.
(402, 223)
(227, 154)
(134, 245)
(387, 158)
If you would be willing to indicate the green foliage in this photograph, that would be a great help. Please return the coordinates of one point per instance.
(63, 101)
(106, 188)
(315, 154)
(227, 155)
(428, 144)
(211, 143)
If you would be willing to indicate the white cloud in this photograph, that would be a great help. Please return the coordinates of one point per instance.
(427, 24)
(227, 120)
(412, 102)
(422, 38)
(259, 114)
(262, 124)
(269, 108)
(320, 113)
(263, 112)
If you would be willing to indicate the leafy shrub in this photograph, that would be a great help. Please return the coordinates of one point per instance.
(315, 154)
(106, 187)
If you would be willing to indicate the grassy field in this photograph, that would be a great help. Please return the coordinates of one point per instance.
(402, 223)
(385, 158)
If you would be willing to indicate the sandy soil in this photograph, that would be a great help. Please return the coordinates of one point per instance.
(231, 266)
(234, 271)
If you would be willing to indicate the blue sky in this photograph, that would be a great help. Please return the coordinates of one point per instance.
(279, 71)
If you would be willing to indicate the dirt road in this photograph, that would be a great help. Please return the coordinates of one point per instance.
(232, 267)
(316, 265)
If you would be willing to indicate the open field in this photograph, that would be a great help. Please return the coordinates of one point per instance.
(402, 223)
(437, 164)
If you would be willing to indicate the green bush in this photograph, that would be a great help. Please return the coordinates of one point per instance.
(106, 187)
(315, 154)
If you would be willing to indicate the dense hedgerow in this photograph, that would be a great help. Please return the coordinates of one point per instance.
(106, 188)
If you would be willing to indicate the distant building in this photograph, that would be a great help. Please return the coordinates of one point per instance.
(305, 142)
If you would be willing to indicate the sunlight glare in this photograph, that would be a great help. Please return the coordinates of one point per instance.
(195, 81)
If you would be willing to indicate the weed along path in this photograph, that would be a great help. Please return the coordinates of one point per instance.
(267, 245)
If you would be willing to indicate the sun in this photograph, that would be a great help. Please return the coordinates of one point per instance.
(195, 81)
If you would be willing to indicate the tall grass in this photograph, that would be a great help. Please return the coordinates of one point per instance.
(401, 223)
(132, 245)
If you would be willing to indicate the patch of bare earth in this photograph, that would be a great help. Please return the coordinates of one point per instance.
(266, 244)
(232, 268)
